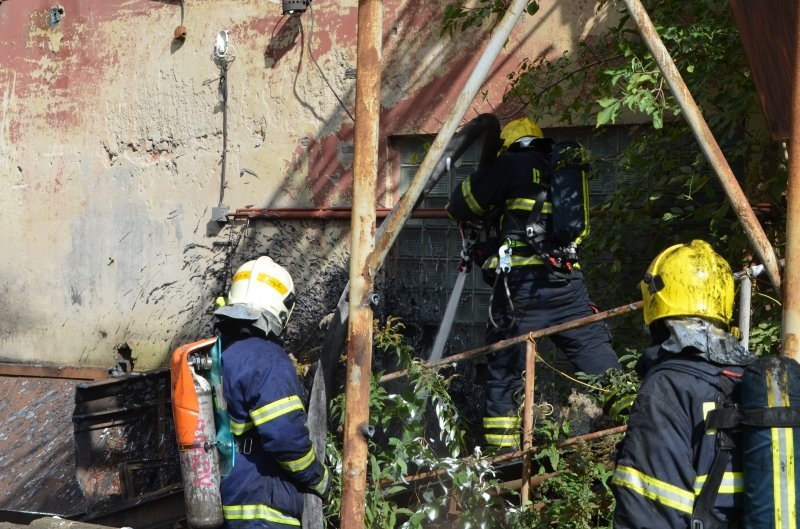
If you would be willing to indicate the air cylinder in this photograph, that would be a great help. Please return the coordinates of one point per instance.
(200, 464)
(770, 477)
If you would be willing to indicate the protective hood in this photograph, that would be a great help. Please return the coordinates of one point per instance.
(712, 343)
(259, 318)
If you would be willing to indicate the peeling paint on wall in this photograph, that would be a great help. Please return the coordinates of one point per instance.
(111, 137)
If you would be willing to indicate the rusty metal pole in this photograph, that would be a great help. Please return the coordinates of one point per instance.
(359, 345)
(708, 144)
(394, 222)
(791, 296)
(527, 421)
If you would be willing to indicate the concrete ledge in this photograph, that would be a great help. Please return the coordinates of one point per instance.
(52, 522)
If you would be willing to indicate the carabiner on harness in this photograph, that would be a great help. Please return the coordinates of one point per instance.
(503, 269)
(467, 247)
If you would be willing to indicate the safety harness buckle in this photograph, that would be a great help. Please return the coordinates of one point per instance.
(504, 258)
(468, 243)
(530, 232)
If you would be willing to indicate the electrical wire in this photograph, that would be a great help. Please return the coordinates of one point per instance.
(311, 54)
(223, 57)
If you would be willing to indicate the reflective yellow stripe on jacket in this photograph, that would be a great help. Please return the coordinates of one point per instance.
(268, 412)
(732, 483)
(516, 260)
(783, 456)
(319, 488)
(299, 464)
(654, 489)
(469, 198)
(526, 204)
(257, 512)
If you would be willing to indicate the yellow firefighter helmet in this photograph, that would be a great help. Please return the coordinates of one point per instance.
(519, 128)
(688, 280)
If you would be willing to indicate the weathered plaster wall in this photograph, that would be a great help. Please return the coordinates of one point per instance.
(111, 137)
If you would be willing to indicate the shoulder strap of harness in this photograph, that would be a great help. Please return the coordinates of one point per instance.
(535, 232)
(779, 417)
(703, 512)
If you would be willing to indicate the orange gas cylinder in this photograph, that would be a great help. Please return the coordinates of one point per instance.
(193, 410)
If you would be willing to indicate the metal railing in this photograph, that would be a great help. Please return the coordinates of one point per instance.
(744, 277)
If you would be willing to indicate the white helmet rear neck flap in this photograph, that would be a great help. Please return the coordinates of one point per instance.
(262, 291)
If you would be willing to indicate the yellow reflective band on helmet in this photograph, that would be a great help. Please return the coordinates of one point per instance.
(526, 204)
(257, 512)
(261, 278)
(273, 410)
(501, 422)
(299, 464)
(502, 440)
(240, 276)
(273, 282)
(238, 428)
(469, 198)
(783, 466)
(732, 483)
(654, 489)
(319, 488)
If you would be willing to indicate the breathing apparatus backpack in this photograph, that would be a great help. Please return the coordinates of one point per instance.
(766, 408)
(202, 427)
(566, 180)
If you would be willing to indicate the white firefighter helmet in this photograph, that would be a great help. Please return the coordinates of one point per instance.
(262, 291)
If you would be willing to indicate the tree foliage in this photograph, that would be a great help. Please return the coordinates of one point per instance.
(463, 489)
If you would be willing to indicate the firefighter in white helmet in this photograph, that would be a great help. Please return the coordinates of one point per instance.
(276, 463)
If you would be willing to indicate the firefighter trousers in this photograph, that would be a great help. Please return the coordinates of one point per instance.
(540, 299)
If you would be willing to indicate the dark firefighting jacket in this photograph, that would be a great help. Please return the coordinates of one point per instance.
(667, 452)
(509, 188)
(275, 462)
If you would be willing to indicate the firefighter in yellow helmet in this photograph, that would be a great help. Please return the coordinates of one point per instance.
(522, 129)
(694, 364)
(276, 463)
(531, 290)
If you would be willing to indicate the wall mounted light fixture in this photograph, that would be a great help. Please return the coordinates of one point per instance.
(295, 7)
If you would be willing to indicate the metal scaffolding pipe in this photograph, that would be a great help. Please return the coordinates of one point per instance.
(509, 456)
(502, 344)
(390, 229)
(745, 298)
(359, 345)
(791, 297)
(335, 337)
(708, 144)
(331, 213)
(527, 421)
